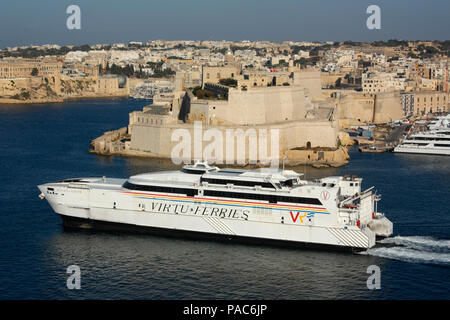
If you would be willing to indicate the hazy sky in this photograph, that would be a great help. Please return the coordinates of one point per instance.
(24, 22)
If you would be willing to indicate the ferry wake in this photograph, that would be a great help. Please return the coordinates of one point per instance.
(258, 206)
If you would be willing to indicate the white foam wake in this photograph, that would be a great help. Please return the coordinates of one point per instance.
(414, 249)
(426, 243)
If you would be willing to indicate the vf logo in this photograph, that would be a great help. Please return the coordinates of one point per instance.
(297, 216)
(74, 20)
(325, 195)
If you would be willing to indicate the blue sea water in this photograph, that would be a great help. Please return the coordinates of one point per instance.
(48, 142)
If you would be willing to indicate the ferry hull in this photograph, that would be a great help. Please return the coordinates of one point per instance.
(216, 228)
(83, 223)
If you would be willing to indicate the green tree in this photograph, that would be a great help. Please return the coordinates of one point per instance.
(34, 72)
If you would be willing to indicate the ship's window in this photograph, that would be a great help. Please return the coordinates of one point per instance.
(72, 180)
(186, 191)
(288, 183)
(263, 197)
(193, 171)
(238, 183)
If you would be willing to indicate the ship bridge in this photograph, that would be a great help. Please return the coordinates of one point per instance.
(263, 177)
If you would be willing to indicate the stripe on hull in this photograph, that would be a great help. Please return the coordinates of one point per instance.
(350, 238)
(218, 225)
(234, 203)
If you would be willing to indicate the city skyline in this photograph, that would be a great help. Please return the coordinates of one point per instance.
(44, 22)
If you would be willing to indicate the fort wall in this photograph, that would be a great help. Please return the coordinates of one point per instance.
(156, 140)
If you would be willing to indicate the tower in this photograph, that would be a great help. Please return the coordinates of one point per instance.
(229, 59)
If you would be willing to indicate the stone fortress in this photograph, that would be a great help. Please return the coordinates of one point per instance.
(293, 105)
(249, 102)
(287, 109)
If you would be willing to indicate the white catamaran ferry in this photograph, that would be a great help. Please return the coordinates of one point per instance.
(258, 206)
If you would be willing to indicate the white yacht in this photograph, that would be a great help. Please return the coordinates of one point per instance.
(434, 141)
(258, 206)
(441, 123)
